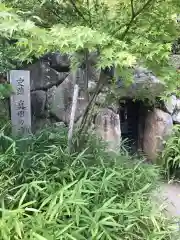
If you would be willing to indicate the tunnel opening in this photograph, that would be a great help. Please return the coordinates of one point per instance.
(132, 117)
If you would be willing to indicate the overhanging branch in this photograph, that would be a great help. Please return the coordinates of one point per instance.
(132, 8)
(134, 16)
(78, 11)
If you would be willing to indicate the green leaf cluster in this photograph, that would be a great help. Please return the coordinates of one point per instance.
(123, 33)
(170, 157)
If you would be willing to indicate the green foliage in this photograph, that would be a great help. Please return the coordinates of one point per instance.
(123, 33)
(170, 156)
(47, 193)
(4, 116)
(5, 90)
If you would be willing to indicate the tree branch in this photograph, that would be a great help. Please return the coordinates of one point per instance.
(91, 102)
(53, 11)
(135, 15)
(78, 11)
(89, 13)
(132, 8)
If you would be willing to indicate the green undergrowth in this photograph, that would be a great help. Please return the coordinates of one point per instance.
(170, 156)
(48, 194)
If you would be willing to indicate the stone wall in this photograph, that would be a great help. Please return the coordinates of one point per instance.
(52, 87)
(52, 90)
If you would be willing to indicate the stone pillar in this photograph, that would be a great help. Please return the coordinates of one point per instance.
(107, 125)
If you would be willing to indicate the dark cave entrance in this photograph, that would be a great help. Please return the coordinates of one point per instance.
(132, 117)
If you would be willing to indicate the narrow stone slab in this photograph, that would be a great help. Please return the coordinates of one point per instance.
(20, 102)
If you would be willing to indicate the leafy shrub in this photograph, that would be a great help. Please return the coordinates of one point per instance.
(170, 156)
(47, 193)
(4, 112)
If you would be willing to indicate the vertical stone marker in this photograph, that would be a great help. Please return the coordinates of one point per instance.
(20, 102)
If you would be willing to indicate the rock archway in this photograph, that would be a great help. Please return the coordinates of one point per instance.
(132, 120)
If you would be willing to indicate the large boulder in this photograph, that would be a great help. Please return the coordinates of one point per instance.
(144, 85)
(56, 60)
(158, 126)
(38, 103)
(107, 126)
(61, 63)
(60, 100)
(42, 76)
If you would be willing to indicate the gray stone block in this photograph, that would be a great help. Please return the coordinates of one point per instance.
(38, 103)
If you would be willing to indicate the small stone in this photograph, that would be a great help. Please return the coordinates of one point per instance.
(178, 104)
(170, 104)
(101, 98)
(59, 124)
(176, 117)
(91, 86)
(105, 89)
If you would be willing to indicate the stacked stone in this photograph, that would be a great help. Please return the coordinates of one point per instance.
(52, 85)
